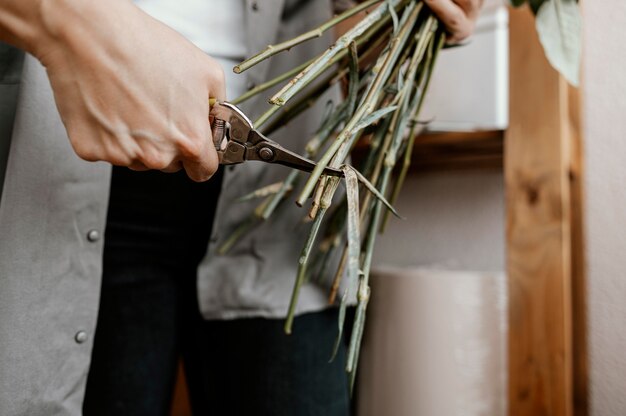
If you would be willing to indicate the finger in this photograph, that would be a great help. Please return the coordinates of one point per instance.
(470, 7)
(457, 23)
(138, 166)
(217, 82)
(201, 171)
(173, 167)
(202, 167)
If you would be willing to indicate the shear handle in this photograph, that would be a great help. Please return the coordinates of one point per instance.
(230, 128)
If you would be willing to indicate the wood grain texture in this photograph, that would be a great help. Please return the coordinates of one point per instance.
(579, 285)
(450, 151)
(539, 252)
(454, 151)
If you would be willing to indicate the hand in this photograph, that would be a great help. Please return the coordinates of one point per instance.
(459, 16)
(130, 90)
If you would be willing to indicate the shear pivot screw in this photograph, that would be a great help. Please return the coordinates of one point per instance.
(266, 153)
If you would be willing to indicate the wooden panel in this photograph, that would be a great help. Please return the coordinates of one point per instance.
(579, 292)
(480, 150)
(451, 151)
(539, 250)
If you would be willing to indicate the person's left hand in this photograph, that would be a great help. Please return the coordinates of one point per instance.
(459, 16)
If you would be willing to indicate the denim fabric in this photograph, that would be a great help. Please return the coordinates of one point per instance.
(149, 317)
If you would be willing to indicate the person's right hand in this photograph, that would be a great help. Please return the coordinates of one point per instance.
(459, 16)
(130, 90)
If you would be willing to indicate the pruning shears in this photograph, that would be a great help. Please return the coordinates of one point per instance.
(237, 141)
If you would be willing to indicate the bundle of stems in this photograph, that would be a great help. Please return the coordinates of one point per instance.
(386, 60)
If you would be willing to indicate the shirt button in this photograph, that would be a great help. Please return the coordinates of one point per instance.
(93, 236)
(255, 6)
(80, 337)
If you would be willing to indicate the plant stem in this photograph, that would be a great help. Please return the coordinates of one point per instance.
(310, 72)
(438, 44)
(301, 105)
(366, 106)
(272, 50)
(239, 232)
(364, 290)
(302, 265)
(269, 84)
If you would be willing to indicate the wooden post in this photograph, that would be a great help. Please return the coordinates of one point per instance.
(538, 162)
(579, 284)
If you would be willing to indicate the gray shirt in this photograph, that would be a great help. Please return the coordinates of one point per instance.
(52, 216)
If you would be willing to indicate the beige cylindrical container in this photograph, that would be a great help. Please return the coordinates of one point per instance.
(434, 344)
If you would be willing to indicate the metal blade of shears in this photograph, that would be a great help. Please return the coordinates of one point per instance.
(269, 151)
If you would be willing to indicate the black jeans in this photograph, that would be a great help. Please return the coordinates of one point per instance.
(149, 318)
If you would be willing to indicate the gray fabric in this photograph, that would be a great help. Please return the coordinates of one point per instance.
(50, 271)
(256, 277)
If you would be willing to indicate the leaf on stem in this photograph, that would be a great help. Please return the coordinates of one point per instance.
(559, 26)
(353, 87)
(374, 191)
(372, 118)
(394, 16)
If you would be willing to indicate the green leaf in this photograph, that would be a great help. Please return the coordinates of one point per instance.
(340, 324)
(559, 25)
(372, 118)
(394, 16)
(374, 191)
(354, 239)
(354, 247)
(353, 86)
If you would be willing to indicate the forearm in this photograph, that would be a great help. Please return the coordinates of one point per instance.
(22, 24)
(129, 90)
(37, 26)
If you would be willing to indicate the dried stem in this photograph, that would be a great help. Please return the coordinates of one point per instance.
(438, 44)
(368, 104)
(385, 95)
(269, 84)
(302, 267)
(304, 77)
(272, 50)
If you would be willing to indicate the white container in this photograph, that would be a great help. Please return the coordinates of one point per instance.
(469, 88)
(434, 344)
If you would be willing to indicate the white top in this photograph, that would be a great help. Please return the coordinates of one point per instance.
(215, 26)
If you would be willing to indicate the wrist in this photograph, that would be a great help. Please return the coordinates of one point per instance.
(35, 25)
(74, 26)
(20, 23)
(64, 24)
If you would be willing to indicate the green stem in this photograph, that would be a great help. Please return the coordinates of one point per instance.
(269, 84)
(272, 50)
(367, 106)
(302, 266)
(239, 232)
(301, 105)
(438, 44)
(363, 297)
(309, 73)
